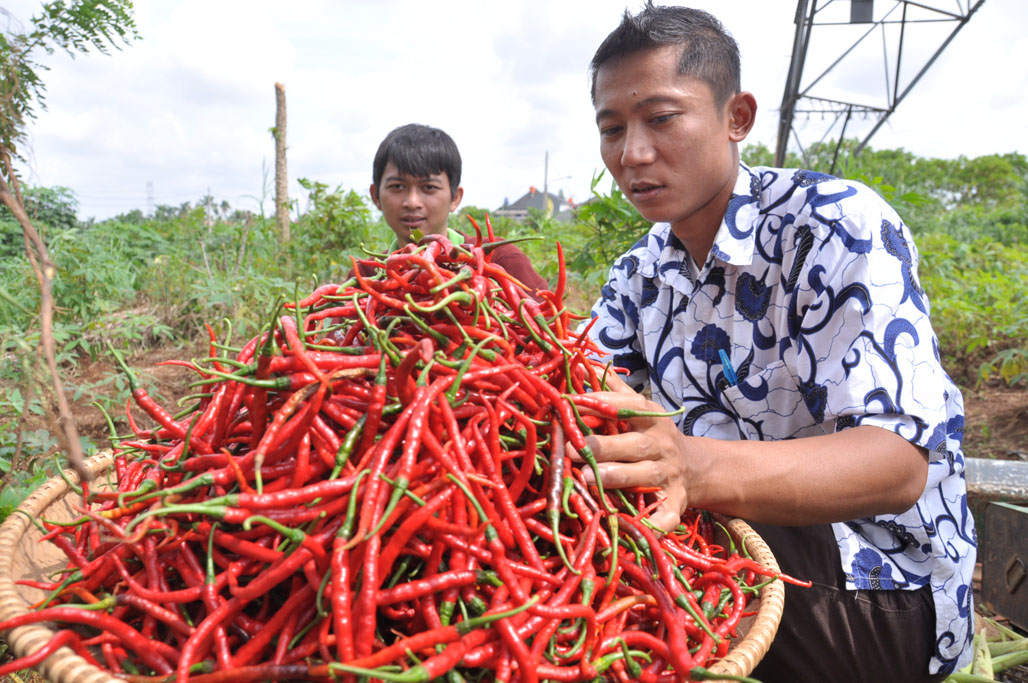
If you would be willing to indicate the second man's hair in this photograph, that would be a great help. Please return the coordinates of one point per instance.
(419, 151)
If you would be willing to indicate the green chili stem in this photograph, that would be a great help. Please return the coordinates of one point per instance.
(346, 448)
(459, 297)
(64, 475)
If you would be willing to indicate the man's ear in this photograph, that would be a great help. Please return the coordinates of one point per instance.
(742, 113)
(373, 191)
(455, 201)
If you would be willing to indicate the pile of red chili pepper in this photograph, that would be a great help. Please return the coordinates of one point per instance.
(381, 485)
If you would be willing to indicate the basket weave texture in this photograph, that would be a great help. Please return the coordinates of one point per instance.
(22, 556)
(746, 653)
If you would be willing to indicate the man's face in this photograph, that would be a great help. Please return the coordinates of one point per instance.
(667, 144)
(410, 203)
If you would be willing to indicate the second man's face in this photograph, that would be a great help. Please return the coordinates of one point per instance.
(410, 203)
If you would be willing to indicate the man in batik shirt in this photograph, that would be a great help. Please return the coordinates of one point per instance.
(780, 311)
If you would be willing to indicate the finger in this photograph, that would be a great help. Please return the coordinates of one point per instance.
(623, 447)
(614, 382)
(623, 475)
(668, 514)
(630, 400)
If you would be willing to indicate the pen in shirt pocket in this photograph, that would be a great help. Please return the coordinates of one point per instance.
(726, 364)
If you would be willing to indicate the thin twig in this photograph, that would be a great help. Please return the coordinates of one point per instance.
(9, 170)
(22, 419)
(45, 271)
(206, 263)
(242, 247)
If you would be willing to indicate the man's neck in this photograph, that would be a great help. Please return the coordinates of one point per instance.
(697, 232)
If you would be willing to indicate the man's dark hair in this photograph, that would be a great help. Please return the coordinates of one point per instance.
(708, 51)
(419, 151)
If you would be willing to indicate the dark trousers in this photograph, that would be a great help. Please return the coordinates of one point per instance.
(832, 635)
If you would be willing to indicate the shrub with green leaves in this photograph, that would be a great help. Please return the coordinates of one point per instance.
(979, 295)
(612, 225)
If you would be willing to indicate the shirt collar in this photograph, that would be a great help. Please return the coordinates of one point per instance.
(451, 234)
(733, 243)
(454, 236)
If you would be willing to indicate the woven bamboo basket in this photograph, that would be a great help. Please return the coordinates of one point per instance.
(22, 556)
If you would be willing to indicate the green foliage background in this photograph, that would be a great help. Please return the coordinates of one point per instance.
(139, 282)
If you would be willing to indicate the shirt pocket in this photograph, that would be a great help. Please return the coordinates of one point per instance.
(769, 406)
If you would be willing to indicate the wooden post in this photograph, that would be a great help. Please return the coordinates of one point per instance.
(281, 175)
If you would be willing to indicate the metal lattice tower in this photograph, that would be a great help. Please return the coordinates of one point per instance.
(903, 26)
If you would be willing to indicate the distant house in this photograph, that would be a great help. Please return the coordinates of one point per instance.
(550, 205)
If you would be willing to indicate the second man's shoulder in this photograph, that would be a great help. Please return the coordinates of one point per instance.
(516, 262)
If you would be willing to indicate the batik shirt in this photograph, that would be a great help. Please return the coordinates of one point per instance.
(808, 318)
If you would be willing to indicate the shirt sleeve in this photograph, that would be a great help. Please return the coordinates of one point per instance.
(863, 346)
(615, 323)
(515, 262)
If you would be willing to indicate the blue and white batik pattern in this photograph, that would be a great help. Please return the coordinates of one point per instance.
(811, 293)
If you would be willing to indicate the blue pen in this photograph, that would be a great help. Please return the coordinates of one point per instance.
(726, 364)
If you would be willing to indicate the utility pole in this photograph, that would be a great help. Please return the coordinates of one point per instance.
(546, 178)
(546, 186)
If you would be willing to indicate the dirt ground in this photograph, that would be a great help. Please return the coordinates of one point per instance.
(166, 383)
(996, 423)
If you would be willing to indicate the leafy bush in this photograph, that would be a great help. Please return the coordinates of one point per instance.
(335, 221)
(48, 208)
(27, 460)
(979, 295)
(27, 455)
(1005, 225)
(612, 225)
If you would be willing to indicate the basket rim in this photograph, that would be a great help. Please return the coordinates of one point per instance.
(746, 653)
(64, 666)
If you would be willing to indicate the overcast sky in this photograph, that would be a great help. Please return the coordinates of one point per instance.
(188, 108)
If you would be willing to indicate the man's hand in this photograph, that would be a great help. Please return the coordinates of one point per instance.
(652, 453)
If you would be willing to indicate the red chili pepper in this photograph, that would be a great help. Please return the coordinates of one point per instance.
(252, 648)
(132, 639)
(276, 573)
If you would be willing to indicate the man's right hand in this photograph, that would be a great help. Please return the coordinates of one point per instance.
(652, 453)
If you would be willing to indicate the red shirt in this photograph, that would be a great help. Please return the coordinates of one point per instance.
(515, 262)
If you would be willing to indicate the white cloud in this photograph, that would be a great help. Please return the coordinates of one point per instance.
(231, 48)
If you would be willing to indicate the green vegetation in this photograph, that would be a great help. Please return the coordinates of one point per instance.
(142, 282)
(74, 27)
